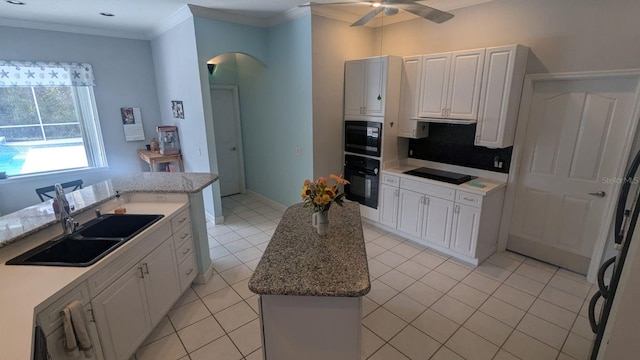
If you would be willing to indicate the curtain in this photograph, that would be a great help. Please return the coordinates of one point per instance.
(45, 73)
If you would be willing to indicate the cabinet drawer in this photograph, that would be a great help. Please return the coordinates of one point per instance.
(470, 199)
(50, 318)
(428, 189)
(184, 250)
(187, 271)
(182, 234)
(390, 180)
(179, 220)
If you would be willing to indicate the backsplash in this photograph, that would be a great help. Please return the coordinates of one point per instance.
(453, 144)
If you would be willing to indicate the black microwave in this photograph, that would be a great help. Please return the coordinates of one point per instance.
(363, 137)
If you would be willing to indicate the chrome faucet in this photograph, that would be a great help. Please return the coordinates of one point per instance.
(68, 224)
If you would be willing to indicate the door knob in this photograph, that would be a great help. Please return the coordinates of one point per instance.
(599, 194)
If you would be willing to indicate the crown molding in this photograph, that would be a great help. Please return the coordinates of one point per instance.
(174, 19)
(227, 16)
(75, 29)
(289, 15)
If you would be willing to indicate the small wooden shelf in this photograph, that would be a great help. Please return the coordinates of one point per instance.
(152, 158)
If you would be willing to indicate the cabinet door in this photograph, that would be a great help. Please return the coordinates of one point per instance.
(410, 208)
(503, 74)
(375, 86)
(437, 219)
(434, 85)
(55, 341)
(464, 84)
(409, 99)
(121, 315)
(464, 233)
(161, 282)
(354, 79)
(389, 205)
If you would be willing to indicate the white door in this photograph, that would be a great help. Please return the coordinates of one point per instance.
(161, 280)
(434, 85)
(436, 225)
(574, 142)
(354, 78)
(464, 84)
(389, 205)
(410, 207)
(464, 231)
(375, 85)
(226, 122)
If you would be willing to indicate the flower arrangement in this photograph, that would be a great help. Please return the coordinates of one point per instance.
(319, 195)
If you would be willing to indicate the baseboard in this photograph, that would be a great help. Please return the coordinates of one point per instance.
(266, 200)
(203, 278)
(546, 253)
(216, 220)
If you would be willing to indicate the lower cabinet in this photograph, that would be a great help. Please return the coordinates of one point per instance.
(127, 311)
(442, 216)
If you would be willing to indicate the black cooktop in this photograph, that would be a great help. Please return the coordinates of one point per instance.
(440, 175)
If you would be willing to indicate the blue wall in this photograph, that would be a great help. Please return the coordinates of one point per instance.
(124, 75)
(277, 117)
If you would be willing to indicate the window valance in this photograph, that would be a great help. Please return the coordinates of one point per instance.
(43, 73)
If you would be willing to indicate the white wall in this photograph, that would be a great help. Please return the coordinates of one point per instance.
(328, 60)
(124, 75)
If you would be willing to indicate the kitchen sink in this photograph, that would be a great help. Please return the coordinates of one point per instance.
(93, 241)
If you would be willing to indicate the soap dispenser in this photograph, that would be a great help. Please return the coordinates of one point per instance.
(120, 209)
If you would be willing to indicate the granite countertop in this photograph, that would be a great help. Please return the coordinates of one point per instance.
(25, 222)
(300, 262)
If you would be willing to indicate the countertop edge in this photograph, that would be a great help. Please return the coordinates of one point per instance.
(494, 185)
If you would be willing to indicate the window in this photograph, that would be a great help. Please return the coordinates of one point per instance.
(48, 118)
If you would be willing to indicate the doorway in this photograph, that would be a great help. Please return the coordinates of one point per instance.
(228, 136)
(574, 133)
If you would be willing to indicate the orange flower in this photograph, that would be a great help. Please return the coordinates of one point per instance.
(307, 182)
(339, 179)
(323, 181)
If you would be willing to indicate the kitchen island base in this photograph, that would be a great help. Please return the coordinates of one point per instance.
(311, 327)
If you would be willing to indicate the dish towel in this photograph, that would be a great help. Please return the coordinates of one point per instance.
(76, 336)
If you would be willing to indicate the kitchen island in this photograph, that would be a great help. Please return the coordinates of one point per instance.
(311, 286)
(37, 292)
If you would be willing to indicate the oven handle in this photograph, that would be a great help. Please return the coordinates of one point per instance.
(365, 172)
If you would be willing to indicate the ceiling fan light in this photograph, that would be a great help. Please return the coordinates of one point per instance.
(376, 4)
(390, 10)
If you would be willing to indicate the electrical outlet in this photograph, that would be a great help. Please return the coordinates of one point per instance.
(298, 151)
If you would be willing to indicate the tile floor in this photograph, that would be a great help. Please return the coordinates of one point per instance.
(422, 304)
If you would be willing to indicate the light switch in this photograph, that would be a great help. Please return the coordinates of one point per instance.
(298, 151)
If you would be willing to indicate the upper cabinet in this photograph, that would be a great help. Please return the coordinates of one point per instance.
(409, 95)
(504, 69)
(450, 85)
(369, 85)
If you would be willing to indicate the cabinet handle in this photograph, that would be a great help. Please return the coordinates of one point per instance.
(186, 251)
(92, 317)
(182, 220)
(189, 272)
(456, 209)
(141, 273)
(413, 131)
(469, 199)
(184, 236)
(146, 268)
(397, 193)
(426, 200)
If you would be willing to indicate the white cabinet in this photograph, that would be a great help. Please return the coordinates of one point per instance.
(409, 95)
(464, 233)
(56, 342)
(365, 86)
(122, 316)
(389, 205)
(504, 69)
(461, 223)
(129, 308)
(450, 85)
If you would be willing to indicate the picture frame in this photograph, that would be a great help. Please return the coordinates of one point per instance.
(177, 109)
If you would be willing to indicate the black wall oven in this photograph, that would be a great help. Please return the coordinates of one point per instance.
(362, 174)
(363, 137)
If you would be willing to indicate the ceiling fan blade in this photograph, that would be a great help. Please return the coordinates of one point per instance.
(426, 12)
(336, 3)
(365, 19)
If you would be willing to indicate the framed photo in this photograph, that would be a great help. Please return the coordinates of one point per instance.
(178, 110)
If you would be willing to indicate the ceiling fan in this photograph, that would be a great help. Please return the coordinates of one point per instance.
(391, 7)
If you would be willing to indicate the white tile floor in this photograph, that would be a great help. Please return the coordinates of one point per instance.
(422, 304)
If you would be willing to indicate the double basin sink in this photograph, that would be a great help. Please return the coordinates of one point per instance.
(90, 243)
